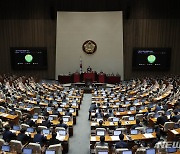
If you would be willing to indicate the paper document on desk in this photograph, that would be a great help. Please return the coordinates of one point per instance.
(94, 124)
(4, 115)
(129, 112)
(174, 132)
(60, 138)
(148, 136)
(115, 138)
(111, 123)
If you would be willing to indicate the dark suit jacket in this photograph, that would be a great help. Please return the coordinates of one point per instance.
(23, 138)
(62, 125)
(8, 136)
(53, 141)
(121, 144)
(161, 120)
(39, 138)
(46, 123)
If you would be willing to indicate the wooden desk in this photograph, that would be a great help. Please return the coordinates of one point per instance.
(112, 125)
(173, 135)
(113, 139)
(56, 122)
(11, 118)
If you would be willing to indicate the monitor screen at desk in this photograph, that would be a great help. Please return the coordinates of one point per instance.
(100, 133)
(62, 132)
(150, 151)
(126, 102)
(115, 119)
(30, 129)
(65, 119)
(122, 109)
(50, 152)
(27, 151)
(131, 118)
(60, 109)
(5, 148)
(46, 131)
(134, 131)
(49, 109)
(71, 110)
(102, 152)
(15, 127)
(35, 116)
(132, 108)
(117, 132)
(171, 150)
(127, 152)
(149, 130)
(50, 118)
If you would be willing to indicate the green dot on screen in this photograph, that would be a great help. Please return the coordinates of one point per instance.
(151, 58)
(29, 58)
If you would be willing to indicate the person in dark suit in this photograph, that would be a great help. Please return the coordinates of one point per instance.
(176, 117)
(110, 114)
(8, 135)
(29, 122)
(121, 143)
(23, 137)
(68, 113)
(61, 124)
(89, 69)
(162, 119)
(92, 107)
(102, 142)
(53, 140)
(99, 114)
(46, 122)
(137, 124)
(39, 138)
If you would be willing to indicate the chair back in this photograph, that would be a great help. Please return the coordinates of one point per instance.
(35, 147)
(25, 126)
(120, 150)
(140, 117)
(168, 125)
(56, 147)
(125, 118)
(16, 146)
(101, 149)
(141, 129)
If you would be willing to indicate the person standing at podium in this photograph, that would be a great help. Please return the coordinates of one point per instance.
(89, 69)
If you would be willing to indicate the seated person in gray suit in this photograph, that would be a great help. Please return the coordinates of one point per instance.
(102, 142)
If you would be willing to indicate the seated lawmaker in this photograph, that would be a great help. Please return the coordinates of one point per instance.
(121, 143)
(176, 116)
(61, 124)
(102, 142)
(39, 138)
(23, 137)
(46, 122)
(53, 140)
(162, 119)
(137, 124)
(8, 135)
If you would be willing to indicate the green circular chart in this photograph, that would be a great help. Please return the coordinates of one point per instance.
(29, 58)
(151, 58)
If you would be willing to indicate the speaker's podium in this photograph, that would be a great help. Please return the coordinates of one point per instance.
(76, 77)
(90, 77)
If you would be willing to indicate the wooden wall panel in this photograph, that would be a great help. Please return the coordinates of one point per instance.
(149, 23)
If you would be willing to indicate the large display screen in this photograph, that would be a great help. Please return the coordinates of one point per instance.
(151, 59)
(28, 58)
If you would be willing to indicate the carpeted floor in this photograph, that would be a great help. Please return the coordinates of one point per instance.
(79, 143)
